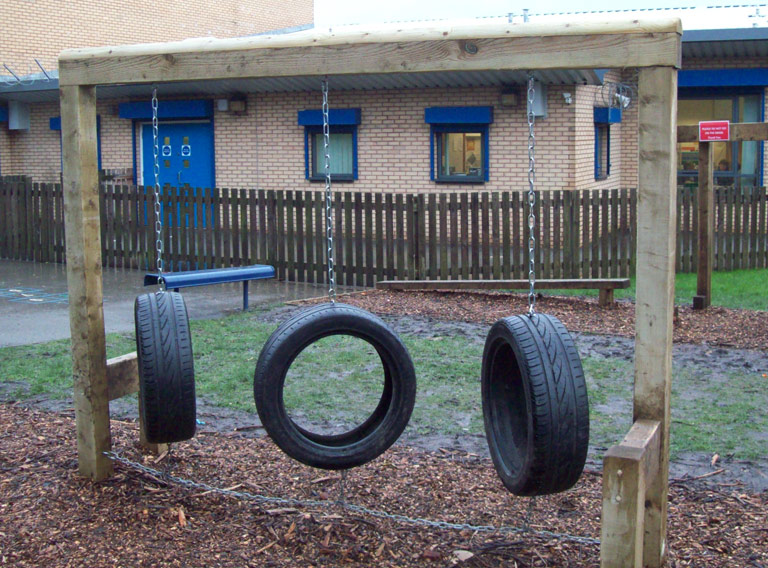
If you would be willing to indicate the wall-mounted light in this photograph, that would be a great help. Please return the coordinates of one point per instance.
(568, 98)
(231, 105)
(508, 97)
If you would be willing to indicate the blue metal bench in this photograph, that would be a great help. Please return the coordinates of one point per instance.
(176, 280)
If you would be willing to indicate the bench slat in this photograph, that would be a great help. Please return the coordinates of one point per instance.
(212, 276)
(550, 284)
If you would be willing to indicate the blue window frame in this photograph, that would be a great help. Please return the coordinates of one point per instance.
(459, 143)
(604, 117)
(342, 147)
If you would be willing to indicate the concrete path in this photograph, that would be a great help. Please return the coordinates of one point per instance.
(34, 306)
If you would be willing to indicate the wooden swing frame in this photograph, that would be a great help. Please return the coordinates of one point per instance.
(635, 478)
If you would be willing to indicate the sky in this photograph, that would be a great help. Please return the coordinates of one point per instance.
(338, 12)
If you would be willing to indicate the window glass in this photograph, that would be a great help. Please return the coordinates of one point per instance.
(735, 163)
(462, 154)
(602, 151)
(341, 151)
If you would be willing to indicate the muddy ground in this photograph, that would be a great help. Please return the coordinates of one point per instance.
(709, 359)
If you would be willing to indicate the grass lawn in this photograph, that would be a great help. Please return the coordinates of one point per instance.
(338, 381)
(740, 289)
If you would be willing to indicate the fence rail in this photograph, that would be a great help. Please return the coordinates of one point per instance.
(456, 235)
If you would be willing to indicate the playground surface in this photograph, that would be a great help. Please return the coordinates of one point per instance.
(718, 507)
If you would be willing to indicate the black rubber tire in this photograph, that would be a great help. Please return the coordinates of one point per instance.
(166, 368)
(379, 431)
(535, 405)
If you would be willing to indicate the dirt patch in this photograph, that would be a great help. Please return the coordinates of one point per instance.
(718, 326)
(49, 516)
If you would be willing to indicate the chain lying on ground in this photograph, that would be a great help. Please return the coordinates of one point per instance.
(341, 502)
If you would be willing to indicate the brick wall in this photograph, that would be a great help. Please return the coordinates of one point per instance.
(37, 151)
(265, 148)
(5, 150)
(43, 28)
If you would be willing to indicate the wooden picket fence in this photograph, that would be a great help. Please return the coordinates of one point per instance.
(449, 235)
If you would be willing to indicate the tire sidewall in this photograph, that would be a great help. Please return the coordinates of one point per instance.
(279, 353)
(500, 334)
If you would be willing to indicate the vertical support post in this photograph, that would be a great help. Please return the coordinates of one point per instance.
(656, 211)
(628, 469)
(84, 279)
(703, 297)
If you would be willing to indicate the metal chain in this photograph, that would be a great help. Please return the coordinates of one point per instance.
(328, 194)
(158, 213)
(531, 198)
(416, 521)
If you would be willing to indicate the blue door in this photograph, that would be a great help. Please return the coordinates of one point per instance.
(186, 159)
(186, 154)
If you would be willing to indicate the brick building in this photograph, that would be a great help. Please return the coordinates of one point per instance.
(391, 133)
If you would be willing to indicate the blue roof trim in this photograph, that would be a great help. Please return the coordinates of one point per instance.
(54, 123)
(3, 114)
(336, 117)
(459, 115)
(757, 77)
(607, 115)
(167, 109)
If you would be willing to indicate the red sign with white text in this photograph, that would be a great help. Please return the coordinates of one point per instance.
(714, 131)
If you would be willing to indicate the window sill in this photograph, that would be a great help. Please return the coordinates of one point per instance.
(334, 179)
(460, 179)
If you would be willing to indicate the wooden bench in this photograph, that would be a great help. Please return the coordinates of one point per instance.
(177, 280)
(606, 286)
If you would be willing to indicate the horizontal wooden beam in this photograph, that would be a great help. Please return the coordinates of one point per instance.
(567, 46)
(627, 471)
(575, 284)
(122, 376)
(740, 132)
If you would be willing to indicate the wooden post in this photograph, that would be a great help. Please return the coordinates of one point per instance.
(627, 470)
(83, 237)
(703, 297)
(656, 211)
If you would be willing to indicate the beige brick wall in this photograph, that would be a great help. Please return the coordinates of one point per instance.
(37, 151)
(5, 150)
(43, 28)
(265, 148)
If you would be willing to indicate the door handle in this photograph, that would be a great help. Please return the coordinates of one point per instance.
(178, 176)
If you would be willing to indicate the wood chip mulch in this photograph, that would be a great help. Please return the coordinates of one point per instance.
(724, 327)
(49, 516)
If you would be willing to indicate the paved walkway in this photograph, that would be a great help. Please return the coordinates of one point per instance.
(34, 306)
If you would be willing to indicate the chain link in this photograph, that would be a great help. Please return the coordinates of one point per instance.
(328, 194)
(158, 212)
(341, 502)
(531, 198)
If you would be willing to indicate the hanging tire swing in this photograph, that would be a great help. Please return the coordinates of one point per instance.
(383, 427)
(535, 403)
(164, 346)
(362, 443)
(166, 371)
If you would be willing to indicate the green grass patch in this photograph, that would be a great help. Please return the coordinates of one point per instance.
(337, 382)
(738, 289)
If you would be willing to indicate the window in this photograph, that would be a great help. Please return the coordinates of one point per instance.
(735, 163)
(342, 144)
(604, 117)
(459, 143)
(602, 151)
(341, 149)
